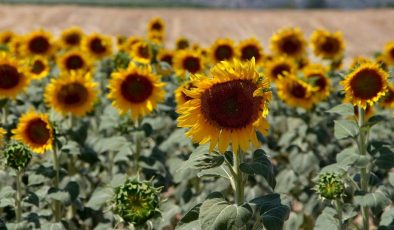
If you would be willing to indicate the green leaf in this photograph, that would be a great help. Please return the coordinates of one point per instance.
(345, 128)
(72, 188)
(387, 218)
(61, 196)
(221, 171)
(304, 163)
(326, 220)
(261, 165)
(4, 202)
(344, 110)
(190, 220)
(272, 212)
(202, 159)
(377, 200)
(217, 214)
(391, 178)
(32, 198)
(347, 156)
(374, 120)
(100, 196)
(385, 159)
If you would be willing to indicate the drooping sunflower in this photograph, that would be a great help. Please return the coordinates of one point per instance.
(73, 93)
(389, 53)
(279, 66)
(38, 42)
(6, 37)
(38, 67)
(249, 48)
(366, 84)
(388, 99)
(315, 74)
(71, 37)
(13, 76)
(288, 41)
(136, 89)
(228, 107)
(187, 61)
(35, 131)
(97, 45)
(156, 25)
(222, 49)
(328, 45)
(182, 43)
(295, 92)
(74, 60)
(142, 52)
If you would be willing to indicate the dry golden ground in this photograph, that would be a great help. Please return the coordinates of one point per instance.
(365, 30)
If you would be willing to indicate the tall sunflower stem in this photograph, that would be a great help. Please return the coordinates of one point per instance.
(338, 207)
(56, 203)
(362, 143)
(71, 168)
(18, 200)
(137, 152)
(239, 179)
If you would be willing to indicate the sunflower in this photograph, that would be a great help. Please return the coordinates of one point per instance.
(222, 49)
(156, 25)
(296, 92)
(97, 45)
(71, 37)
(71, 93)
(388, 99)
(366, 84)
(328, 45)
(2, 136)
(156, 38)
(182, 43)
(127, 46)
(389, 53)
(6, 37)
(165, 56)
(142, 52)
(74, 60)
(315, 74)
(249, 48)
(13, 78)
(187, 61)
(35, 131)
(38, 42)
(15, 45)
(180, 96)
(228, 107)
(136, 89)
(288, 41)
(278, 66)
(359, 60)
(38, 67)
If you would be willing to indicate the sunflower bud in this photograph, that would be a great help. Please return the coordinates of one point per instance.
(136, 202)
(17, 155)
(330, 186)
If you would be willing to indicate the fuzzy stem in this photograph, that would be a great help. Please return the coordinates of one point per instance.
(239, 183)
(56, 203)
(18, 209)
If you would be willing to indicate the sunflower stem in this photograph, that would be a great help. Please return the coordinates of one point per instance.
(71, 168)
(239, 183)
(18, 200)
(338, 207)
(56, 203)
(4, 114)
(363, 171)
(137, 152)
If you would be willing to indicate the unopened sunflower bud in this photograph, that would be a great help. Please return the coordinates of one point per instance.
(17, 155)
(330, 186)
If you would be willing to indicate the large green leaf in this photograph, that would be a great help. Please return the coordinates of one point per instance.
(217, 214)
(304, 163)
(201, 159)
(387, 218)
(345, 128)
(326, 220)
(190, 220)
(344, 110)
(385, 159)
(377, 200)
(100, 197)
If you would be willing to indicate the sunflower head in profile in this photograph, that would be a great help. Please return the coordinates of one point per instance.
(97, 45)
(38, 67)
(127, 46)
(6, 37)
(228, 107)
(38, 42)
(135, 89)
(279, 66)
(142, 52)
(71, 37)
(296, 92)
(328, 45)
(156, 25)
(182, 43)
(13, 77)
(288, 41)
(388, 53)
(388, 99)
(15, 46)
(74, 60)
(180, 96)
(365, 84)
(35, 131)
(188, 61)
(72, 93)
(315, 74)
(222, 49)
(249, 48)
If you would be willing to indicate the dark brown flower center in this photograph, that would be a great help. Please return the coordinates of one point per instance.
(279, 70)
(6, 39)
(157, 26)
(250, 51)
(96, 46)
(224, 52)
(291, 45)
(73, 39)
(38, 67)
(136, 88)
(72, 94)
(143, 51)
(192, 64)
(320, 81)
(389, 97)
(330, 45)
(39, 45)
(297, 90)
(392, 53)
(74, 62)
(38, 132)
(231, 104)
(167, 58)
(9, 76)
(182, 44)
(366, 84)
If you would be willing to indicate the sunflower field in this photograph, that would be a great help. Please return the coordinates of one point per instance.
(103, 132)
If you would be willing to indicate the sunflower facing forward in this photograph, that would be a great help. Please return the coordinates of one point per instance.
(222, 49)
(388, 53)
(289, 42)
(227, 108)
(38, 42)
(35, 131)
(279, 66)
(97, 45)
(13, 77)
(366, 84)
(6, 37)
(38, 67)
(249, 48)
(71, 37)
(156, 25)
(188, 61)
(328, 45)
(71, 93)
(315, 74)
(74, 60)
(142, 52)
(136, 89)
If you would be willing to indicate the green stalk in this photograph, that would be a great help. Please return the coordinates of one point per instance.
(362, 142)
(137, 152)
(238, 180)
(338, 206)
(56, 203)
(18, 200)
(71, 168)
